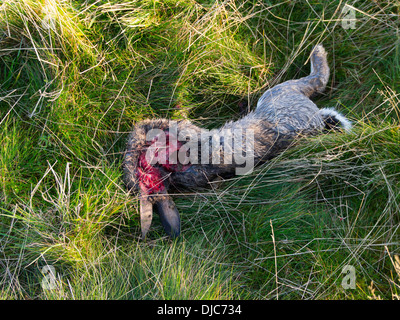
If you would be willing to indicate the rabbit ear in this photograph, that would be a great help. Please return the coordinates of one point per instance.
(146, 215)
(169, 216)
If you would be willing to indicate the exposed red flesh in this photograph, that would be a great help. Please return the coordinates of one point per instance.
(150, 177)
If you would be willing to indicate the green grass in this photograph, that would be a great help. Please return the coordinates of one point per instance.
(77, 75)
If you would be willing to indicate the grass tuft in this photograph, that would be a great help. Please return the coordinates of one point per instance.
(77, 75)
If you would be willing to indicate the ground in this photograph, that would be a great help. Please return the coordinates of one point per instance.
(77, 75)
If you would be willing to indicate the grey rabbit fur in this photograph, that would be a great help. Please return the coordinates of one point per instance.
(283, 113)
